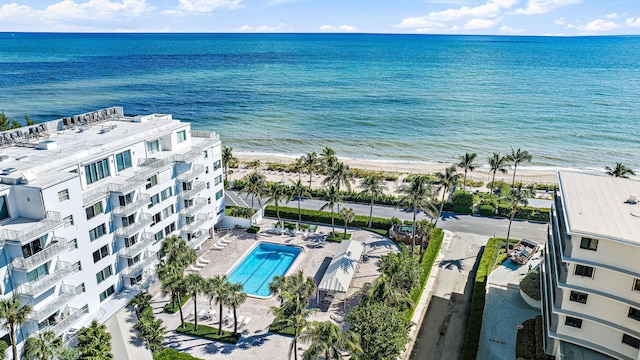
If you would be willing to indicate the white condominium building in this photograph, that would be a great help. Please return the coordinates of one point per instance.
(84, 203)
(591, 271)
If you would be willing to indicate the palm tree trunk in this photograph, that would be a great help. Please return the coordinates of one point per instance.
(513, 180)
(252, 200)
(14, 343)
(371, 212)
(295, 342)
(225, 173)
(464, 181)
(278, 214)
(413, 229)
(220, 323)
(180, 309)
(509, 232)
(195, 311)
(299, 212)
(235, 321)
(310, 177)
(493, 180)
(333, 221)
(441, 207)
(345, 231)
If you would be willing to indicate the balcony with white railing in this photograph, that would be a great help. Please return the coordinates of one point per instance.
(37, 287)
(143, 242)
(129, 231)
(57, 246)
(71, 316)
(139, 267)
(138, 180)
(93, 195)
(195, 242)
(23, 230)
(126, 210)
(196, 188)
(197, 223)
(67, 293)
(198, 204)
(143, 284)
(196, 170)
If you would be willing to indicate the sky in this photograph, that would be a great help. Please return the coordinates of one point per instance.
(482, 17)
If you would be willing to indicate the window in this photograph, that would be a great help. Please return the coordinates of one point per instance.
(571, 321)
(63, 195)
(170, 228)
(128, 220)
(154, 200)
(4, 208)
(96, 171)
(100, 254)
(104, 274)
(31, 248)
(636, 284)
(158, 235)
(153, 146)
(73, 243)
(589, 244)
(38, 273)
(206, 170)
(130, 241)
(125, 200)
(105, 294)
(578, 297)
(123, 160)
(218, 179)
(153, 181)
(97, 232)
(168, 211)
(217, 165)
(93, 210)
(182, 135)
(156, 218)
(209, 200)
(634, 313)
(219, 195)
(135, 260)
(582, 270)
(631, 341)
(68, 221)
(81, 289)
(205, 153)
(166, 193)
(77, 266)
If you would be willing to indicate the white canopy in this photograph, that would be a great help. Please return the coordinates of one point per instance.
(340, 272)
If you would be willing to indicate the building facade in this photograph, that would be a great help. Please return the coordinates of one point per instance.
(591, 271)
(84, 203)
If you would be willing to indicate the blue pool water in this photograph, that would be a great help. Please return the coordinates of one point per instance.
(258, 268)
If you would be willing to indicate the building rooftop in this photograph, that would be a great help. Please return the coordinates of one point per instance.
(601, 206)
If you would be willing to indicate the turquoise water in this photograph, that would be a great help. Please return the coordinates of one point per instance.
(571, 102)
(258, 268)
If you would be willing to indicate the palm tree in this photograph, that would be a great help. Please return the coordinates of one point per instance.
(447, 180)
(298, 165)
(277, 193)
(171, 279)
(328, 158)
(497, 163)
(516, 157)
(296, 284)
(347, 216)
(218, 288)
(150, 330)
(255, 165)
(235, 298)
(467, 162)
(340, 174)
(417, 196)
(94, 342)
(423, 231)
(292, 313)
(620, 171)
(298, 190)
(333, 196)
(13, 314)
(228, 160)
(328, 341)
(194, 283)
(383, 291)
(372, 185)
(517, 196)
(44, 346)
(140, 302)
(311, 163)
(256, 184)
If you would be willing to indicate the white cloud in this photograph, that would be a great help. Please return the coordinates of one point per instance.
(595, 26)
(70, 9)
(341, 28)
(475, 24)
(633, 22)
(419, 22)
(509, 30)
(612, 16)
(262, 28)
(481, 16)
(15, 9)
(202, 6)
(535, 7)
(560, 21)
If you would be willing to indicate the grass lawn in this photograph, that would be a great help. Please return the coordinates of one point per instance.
(303, 227)
(286, 331)
(171, 309)
(171, 354)
(335, 236)
(208, 332)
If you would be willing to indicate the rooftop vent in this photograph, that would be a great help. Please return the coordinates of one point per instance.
(632, 200)
(47, 145)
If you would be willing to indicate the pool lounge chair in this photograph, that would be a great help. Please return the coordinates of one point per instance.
(224, 241)
(217, 247)
(245, 321)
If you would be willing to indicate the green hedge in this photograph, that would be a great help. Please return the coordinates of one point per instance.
(338, 236)
(530, 285)
(324, 217)
(208, 332)
(253, 229)
(486, 210)
(428, 259)
(171, 354)
(172, 310)
(525, 213)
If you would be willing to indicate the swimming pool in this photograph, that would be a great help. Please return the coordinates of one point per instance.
(258, 268)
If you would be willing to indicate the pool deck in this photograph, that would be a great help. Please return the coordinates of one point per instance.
(256, 342)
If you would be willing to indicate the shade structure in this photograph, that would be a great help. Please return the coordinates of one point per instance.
(340, 272)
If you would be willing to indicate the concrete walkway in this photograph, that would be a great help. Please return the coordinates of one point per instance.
(124, 341)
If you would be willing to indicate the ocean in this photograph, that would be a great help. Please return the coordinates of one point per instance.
(572, 102)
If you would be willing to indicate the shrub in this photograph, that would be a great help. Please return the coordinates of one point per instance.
(239, 212)
(253, 229)
(462, 202)
(529, 341)
(208, 332)
(171, 354)
(324, 217)
(396, 221)
(530, 285)
(336, 236)
(525, 213)
(239, 184)
(428, 259)
(486, 210)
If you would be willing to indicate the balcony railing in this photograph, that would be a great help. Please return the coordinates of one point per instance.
(94, 195)
(67, 294)
(197, 187)
(67, 322)
(58, 246)
(145, 240)
(195, 171)
(142, 285)
(129, 231)
(198, 204)
(198, 240)
(39, 286)
(39, 228)
(196, 223)
(129, 185)
(143, 199)
(139, 267)
(205, 134)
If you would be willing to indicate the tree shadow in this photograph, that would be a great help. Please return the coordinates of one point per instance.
(449, 216)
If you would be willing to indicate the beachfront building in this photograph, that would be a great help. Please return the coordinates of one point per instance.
(591, 276)
(84, 203)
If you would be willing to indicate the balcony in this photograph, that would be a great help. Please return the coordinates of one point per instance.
(129, 231)
(202, 236)
(36, 288)
(189, 156)
(139, 267)
(197, 223)
(71, 316)
(198, 204)
(196, 170)
(143, 199)
(94, 195)
(129, 252)
(129, 185)
(143, 284)
(58, 246)
(67, 293)
(196, 188)
(35, 230)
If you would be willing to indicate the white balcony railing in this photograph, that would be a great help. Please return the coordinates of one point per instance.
(196, 188)
(196, 170)
(142, 285)
(196, 223)
(198, 204)
(39, 286)
(65, 323)
(67, 293)
(145, 240)
(58, 246)
(202, 236)
(138, 180)
(139, 267)
(37, 229)
(143, 199)
(129, 231)
(94, 195)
